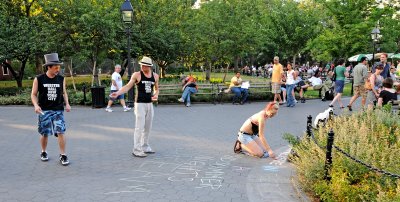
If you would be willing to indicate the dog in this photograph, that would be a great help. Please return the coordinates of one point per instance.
(322, 117)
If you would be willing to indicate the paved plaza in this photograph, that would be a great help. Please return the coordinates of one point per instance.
(194, 158)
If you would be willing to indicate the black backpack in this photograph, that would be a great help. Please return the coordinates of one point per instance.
(329, 95)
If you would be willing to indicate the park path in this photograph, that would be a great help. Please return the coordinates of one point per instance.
(194, 158)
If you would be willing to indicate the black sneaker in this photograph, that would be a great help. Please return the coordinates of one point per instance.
(43, 156)
(64, 160)
(349, 106)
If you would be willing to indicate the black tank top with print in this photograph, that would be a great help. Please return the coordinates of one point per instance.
(51, 92)
(145, 88)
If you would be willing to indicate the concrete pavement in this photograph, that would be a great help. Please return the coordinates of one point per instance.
(194, 158)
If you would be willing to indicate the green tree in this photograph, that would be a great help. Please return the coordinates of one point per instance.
(347, 29)
(292, 24)
(84, 29)
(21, 34)
(159, 30)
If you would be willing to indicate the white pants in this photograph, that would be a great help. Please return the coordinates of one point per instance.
(144, 118)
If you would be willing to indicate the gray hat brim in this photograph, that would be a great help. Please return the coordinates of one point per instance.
(53, 63)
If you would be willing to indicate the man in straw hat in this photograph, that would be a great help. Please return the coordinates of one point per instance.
(48, 97)
(147, 91)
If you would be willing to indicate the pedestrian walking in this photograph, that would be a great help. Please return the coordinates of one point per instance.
(290, 80)
(116, 84)
(277, 74)
(251, 136)
(48, 96)
(360, 74)
(147, 91)
(341, 74)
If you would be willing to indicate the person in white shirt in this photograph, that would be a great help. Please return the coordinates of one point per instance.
(290, 83)
(314, 81)
(116, 84)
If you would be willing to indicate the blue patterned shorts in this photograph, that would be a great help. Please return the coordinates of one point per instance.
(51, 123)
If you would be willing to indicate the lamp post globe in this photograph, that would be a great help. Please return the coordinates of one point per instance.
(127, 19)
(127, 12)
(375, 36)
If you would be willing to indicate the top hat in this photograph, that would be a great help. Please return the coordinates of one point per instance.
(52, 59)
(146, 61)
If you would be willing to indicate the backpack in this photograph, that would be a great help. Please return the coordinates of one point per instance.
(329, 95)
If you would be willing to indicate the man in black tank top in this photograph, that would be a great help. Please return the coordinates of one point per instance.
(147, 91)
(49, 105)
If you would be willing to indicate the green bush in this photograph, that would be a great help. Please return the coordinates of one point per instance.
(10, 91)
(21, 97)
(372, 137)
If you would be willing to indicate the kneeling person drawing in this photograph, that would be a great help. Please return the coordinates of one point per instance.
(251, 137)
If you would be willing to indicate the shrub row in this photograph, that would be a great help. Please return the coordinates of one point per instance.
(372, 137)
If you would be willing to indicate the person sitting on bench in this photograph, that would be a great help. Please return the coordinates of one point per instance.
(235, 87)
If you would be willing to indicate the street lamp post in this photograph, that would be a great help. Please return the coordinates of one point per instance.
(375, 35)
(127, 19)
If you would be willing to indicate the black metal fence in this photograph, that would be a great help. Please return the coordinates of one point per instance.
(330, 145)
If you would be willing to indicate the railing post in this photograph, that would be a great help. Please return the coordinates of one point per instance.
(328, 160)
(330, 115)
(84, 94)
(309, 126)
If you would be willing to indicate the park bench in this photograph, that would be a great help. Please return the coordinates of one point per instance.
(175, 90)
(255, 88)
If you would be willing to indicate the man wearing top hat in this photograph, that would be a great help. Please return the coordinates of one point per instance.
(48, 97)
(147, 91)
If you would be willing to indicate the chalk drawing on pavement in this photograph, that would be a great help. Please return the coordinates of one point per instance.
(200, 172)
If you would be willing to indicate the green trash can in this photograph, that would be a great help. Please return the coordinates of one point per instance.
(98, 96)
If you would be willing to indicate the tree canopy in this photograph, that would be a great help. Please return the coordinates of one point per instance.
(217, 33)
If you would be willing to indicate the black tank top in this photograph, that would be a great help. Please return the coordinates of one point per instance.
(145, 88)
(51, 92)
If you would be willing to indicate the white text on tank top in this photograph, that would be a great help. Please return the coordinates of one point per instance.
(147, 86)
(51, 90)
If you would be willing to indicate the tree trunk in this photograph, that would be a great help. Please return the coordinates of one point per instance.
(252, 59)
(208, 70)
(95, 78)
(294, 60)
(72, 75)
(19, 82)
(236, 63)
(21, 73)
(38, 64)
(226, 71)
(162, 71)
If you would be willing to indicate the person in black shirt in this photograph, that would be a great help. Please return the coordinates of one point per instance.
(48, 97)
(387, 94)
(147, 91)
